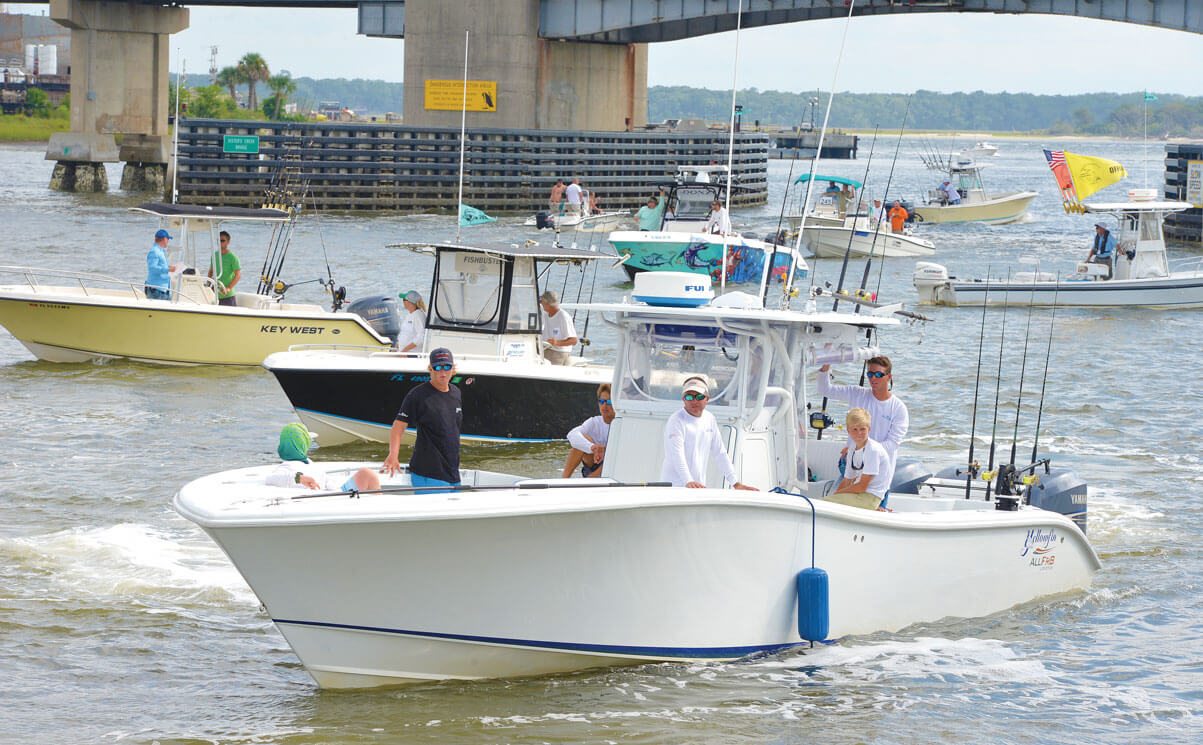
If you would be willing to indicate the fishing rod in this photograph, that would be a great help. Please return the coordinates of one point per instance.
(839, 287)
(1048, 353)
(463, 128)
(864, 280)
(739, 16)
(431, 490)
(1023, 364)
(1002, 339)
(764, 283)
(972, 468)
(789, 282)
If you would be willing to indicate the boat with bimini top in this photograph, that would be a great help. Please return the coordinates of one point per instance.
(509, 576)
(850, 223)
(970, 201)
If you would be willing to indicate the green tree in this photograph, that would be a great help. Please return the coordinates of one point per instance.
(230, 78)
(282, 86)
(37, 103)
(211, 102)
(254, 70)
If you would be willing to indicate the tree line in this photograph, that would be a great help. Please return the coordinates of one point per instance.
(1104, 114)
(1100, 114)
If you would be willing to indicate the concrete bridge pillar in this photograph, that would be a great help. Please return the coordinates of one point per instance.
(541, 83)
(119, 74)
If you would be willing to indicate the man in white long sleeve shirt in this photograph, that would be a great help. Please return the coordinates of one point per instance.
(589, 438)
(889, 417)
(719, 221)
(691, 438)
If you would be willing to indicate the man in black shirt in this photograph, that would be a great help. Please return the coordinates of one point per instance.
(434, 410)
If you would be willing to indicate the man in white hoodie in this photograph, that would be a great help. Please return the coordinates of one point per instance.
(691, 437)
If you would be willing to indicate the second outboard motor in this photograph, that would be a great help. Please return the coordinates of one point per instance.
(1060, 490)
(909, 475)
(543, 220)
(381, 313)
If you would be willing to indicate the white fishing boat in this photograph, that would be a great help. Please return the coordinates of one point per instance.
(511, 577)
(980, 150)
(600, 222)
(1142, 276)
(976, 204)
(852, 224)
(484, 305)
(67, 316)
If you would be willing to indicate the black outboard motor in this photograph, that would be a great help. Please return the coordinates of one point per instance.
(543, 220)
(909, 475)
(381, 313)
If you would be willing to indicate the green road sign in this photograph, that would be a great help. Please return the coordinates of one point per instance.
(240, 144)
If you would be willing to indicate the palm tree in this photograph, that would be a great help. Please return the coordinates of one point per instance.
(254, 70)
(282, 86)
(229, 78)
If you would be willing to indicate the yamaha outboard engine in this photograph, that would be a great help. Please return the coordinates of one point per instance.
(381, 313)
(1060, 490)
(543, 220)
(909, 475)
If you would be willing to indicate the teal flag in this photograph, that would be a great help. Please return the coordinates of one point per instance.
(469, 216)
(1150, 96)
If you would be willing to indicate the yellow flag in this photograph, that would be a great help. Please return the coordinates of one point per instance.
(1091, 174)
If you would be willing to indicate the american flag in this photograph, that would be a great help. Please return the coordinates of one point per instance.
(1055, 158)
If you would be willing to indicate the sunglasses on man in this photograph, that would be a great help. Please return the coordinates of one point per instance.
(605, 402)
(695, 396)
(876, 374)
(440, 368)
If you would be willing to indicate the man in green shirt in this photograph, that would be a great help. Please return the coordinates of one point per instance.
(651, 215)
(227, 269)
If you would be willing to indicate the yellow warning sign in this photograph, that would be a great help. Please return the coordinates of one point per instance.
(448, 95)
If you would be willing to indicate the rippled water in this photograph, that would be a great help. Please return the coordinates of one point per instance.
(121, 622)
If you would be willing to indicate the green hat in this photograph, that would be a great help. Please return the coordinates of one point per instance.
(295, 441)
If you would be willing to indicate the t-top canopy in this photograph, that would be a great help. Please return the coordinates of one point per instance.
(545, 253)
(199, 212)
(837, 179)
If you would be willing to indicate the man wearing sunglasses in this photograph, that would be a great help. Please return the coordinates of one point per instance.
(589, 438)
(691, 438)
(435, 410)
(889, 419)
(227, 269)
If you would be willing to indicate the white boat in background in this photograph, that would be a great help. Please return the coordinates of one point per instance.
(511, 577)
(1141, 278)
(840, 224)
(980, 150)
(976, 205)
(601, 222)
(68, 316)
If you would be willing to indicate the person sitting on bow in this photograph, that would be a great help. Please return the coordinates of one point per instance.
(299, 472)
(589, 438)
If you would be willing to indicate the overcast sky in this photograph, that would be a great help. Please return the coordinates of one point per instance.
(941, 52)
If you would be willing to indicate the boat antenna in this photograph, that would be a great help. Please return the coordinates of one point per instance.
(789, 282)
(764, 284)
(839, 287)
(175, 133)
(864, 280)
(336, 297)
(1002, 338)
(463, 127)
(971, 468)
(1048, 353)
(722, 274)
(1023, 365)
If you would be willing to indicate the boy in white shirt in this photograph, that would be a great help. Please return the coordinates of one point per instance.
(867, 474)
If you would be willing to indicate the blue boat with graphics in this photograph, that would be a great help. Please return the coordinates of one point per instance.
(683, 244)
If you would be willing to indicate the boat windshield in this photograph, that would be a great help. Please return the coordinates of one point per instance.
(693, 202)
(661, 356)
(468, 291)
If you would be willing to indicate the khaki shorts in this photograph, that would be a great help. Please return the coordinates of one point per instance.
(864, 500)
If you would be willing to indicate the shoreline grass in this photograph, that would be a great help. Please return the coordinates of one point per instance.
(21, 128)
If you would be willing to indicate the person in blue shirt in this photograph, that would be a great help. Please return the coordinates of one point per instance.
(1103, 250)
(158, 270)
(651, 215)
